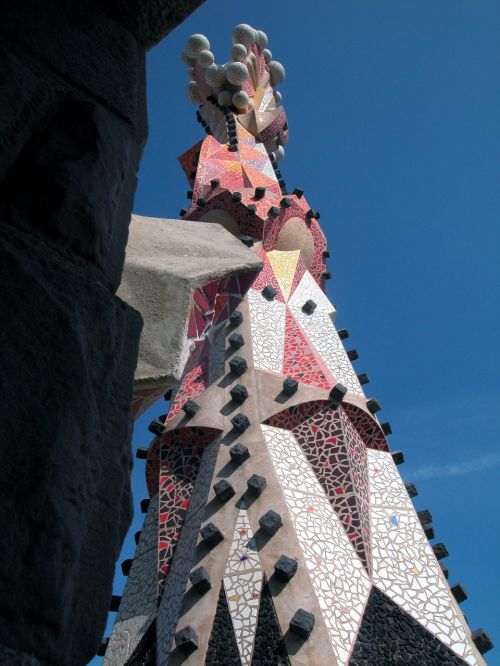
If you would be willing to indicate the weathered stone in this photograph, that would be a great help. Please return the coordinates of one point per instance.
(290, 386)
(236, 340)
(186, 640)
(72, 128)
(239, 453)
(240, 422)
(166, 261)
(200, 580)
(190, 408)
(256, 484)
(338, 393)
(411, 489)
(386, 428)
(70, 416)
(440, 550)
(223, 490)
(285, 568)
(302, 623)
(239, 393)
(270, 522)
(373, 405)
(211, 535)
(458, 592)
(482, 641)
(398, 457)
(309, 307)
(238, 365)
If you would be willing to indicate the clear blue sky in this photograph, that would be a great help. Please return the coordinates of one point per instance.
(393, 110)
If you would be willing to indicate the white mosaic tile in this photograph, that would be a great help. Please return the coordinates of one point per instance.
(337, 574)
(243, 585)
(320, 330)
(307, 289)
(404, 565)
(268, 331)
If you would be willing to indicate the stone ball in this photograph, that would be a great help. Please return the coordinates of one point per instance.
(276, 72)
(261, 39)
(206, 58)
(268, 56)
(236, 73)
(244, 34)
(195, 44)
(241, 100)
(278, 97)
(193, 92)
(239, 52)
(186, 59)
(279, 153)
(224, 98)
(215, 75)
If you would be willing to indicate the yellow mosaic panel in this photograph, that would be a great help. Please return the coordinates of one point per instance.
(284, 265)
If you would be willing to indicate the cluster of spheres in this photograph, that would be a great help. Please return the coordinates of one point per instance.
(227, 82)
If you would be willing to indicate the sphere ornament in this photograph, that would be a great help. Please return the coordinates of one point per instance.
(206, 58)
(195, 44)
(239, 52)
(236, 73)
(278, 97)
(215, 75)
(276, 72)
(279, 153)
(261, 39)
(268, 56)
(224, 98)
(244, 34)
(193, 93)
(241, 100)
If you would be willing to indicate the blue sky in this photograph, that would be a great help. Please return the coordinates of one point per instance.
(393, 112)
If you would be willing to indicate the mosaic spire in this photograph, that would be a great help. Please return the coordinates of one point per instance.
(281, 528)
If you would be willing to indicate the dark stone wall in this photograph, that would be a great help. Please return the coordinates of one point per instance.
(389, 636)
(72, 129)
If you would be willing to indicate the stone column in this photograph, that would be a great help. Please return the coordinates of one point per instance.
(72, 129)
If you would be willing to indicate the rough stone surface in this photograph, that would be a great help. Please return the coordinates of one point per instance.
(145, 652)
(139, 601)
(65, 457)
(10, 657)
(72, 129)
(166, 260)
(149, 20)
(222, 647)
(388, 635)
(269, 648)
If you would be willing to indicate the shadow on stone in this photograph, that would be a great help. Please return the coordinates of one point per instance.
(281, 398)
(230, 437)
(229, 407)
(293, 642)
(227, 380)
(277, 585)
(227, 470)
(246, 500)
